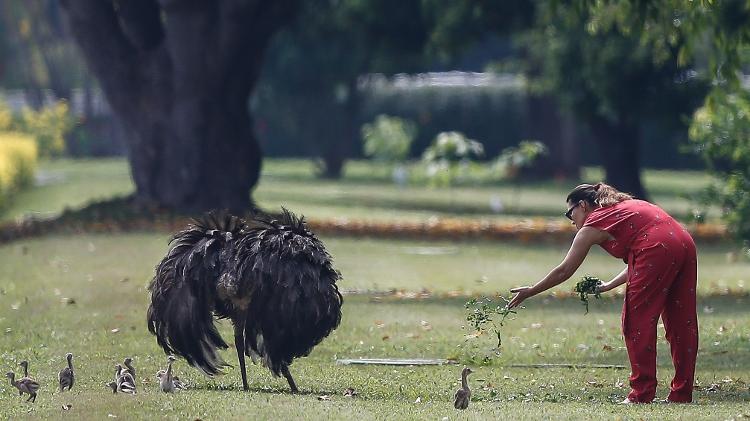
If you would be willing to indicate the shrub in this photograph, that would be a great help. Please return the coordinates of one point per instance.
(18, 156)
(48, 126)
(721, 130)
(388, 139)
(449, 156)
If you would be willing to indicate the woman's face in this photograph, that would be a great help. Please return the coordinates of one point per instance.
(577, 212)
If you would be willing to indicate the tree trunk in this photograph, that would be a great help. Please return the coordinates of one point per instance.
(550, 127)
(619, 145)
(178, 74)
(343, 131)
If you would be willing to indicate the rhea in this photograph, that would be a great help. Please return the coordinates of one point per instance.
(463, 395)
(66, 377)
(24, 385)
(272, 278)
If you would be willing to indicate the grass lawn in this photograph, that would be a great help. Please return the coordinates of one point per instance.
(365, 192)
(106, 277)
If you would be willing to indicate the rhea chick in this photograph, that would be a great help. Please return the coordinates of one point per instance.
(66, 376)
(25, 365)
(124, 380)
(166, 381)
(463, 395)
(128, 363)
(25, 385)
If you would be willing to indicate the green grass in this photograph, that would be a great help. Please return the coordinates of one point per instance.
(365, 192)
(107, 278)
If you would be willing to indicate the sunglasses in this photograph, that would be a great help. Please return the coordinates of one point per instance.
(569, 212)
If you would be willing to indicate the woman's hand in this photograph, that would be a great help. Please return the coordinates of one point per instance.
(604, 287)
(618, 280)
(522, 293)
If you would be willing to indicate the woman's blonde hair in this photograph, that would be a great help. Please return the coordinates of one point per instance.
(598, 195)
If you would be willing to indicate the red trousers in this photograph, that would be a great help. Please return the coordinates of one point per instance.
(662, 276)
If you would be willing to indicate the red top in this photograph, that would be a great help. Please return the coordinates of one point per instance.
(628, 222)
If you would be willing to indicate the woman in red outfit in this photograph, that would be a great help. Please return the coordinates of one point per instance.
(661, 278)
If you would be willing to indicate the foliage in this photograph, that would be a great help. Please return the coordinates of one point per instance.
(721, 130)
(37, 50)
(388, 139)
(588, 285)
(484, 311)
(448, 155)
(6, 116)
(612, 80)
(48, 126)
(514, 158)
(719, 32)
(18, 156)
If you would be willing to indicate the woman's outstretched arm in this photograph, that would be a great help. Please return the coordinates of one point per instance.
(584, 239)
(616, 281)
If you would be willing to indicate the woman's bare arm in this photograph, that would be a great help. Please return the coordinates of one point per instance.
(618, 280)
(584, 239)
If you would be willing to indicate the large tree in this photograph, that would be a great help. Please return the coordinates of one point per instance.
(312, 69)
(719, 33)
(612, 80)
(178, 73)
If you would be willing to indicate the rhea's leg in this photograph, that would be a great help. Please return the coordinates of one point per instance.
(239, 344)
(289, 379)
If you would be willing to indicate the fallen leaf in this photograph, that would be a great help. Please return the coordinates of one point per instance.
(350, 392)
(607, 348)
(715, 387)
(379, 324)
(386, 337)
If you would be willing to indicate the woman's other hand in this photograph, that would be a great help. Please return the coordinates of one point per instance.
(522, 293)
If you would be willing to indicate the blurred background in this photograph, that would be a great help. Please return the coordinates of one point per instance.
(498, 108)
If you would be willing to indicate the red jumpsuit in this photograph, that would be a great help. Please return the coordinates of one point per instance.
(662, 276)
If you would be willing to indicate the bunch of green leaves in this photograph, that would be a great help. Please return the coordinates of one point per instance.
(485, 312)
(588, 285)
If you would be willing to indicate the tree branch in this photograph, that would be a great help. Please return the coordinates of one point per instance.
(109, 54)
(141, 22)
(246, 29)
